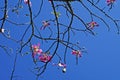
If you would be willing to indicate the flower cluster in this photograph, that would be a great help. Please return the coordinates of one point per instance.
(92, 24)
(36, 49)
(39, 55)
(43, 57)
(77, 53)
(44, 25)
(28, 2)
(109, 2)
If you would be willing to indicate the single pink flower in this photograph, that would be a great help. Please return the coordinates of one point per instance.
(44, 57)
(26, 2)
(110, 2)
(92, 24)
(44, 25)
(60, 64)
(36, 49)
(77, 53)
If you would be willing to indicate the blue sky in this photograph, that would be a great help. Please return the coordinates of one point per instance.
(101, 62)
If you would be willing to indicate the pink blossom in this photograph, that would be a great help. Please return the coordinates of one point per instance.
(60, 64)
(110, 2)
(26, 2)
(36, 49)
(92, 24)
(44, 57)
(77, 53)
(44, 25)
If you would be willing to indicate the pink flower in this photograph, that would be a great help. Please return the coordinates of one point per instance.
(36, 49)
(60, 64)
(92, 24)
(44, 24)
(77, 53)
(110, 2)
(26, 2)
(44, 57)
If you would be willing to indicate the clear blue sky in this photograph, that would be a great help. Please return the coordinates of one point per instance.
(101, 62)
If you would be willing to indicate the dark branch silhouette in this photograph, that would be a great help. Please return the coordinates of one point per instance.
(60, 35)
